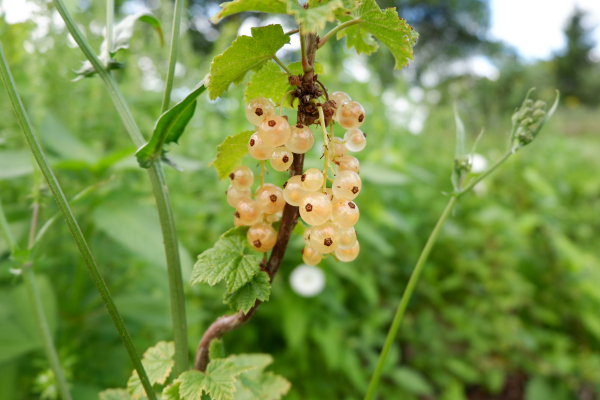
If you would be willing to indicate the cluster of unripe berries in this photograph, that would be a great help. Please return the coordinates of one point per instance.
(330, 211)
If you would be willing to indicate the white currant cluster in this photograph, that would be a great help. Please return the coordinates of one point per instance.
(330, 211)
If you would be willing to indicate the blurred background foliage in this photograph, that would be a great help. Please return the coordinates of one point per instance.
(507, 308)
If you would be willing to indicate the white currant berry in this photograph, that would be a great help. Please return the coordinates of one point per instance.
(350, 115)
(257, 149)
(312, 179)
(346, 163)
(310, 256)
(344, 213)
(262, 237)
(237, 222)
(271, 218)
(339, 98)
(248, 212)
(281, 159)
(234, 196)
(355, 139)
(301, 139)
(270, 199)
(274, 130)
(307, 236)
(293, 191)
(348, 255)
(242, 178)
(315, 208)
(347, 238)
(337, 149)
(325, 238)
(346, 185)
(330, 195)
(258, 109)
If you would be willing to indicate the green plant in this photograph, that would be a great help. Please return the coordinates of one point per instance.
(249, 284)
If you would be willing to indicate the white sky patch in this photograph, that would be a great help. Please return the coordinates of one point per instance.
(535, 27)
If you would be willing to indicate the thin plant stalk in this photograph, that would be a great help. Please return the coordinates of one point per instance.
(72, 224)
(173, 54)
(160, 190)
(110, 16)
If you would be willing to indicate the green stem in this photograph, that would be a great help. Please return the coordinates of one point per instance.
(483, 175)
(282, 65)
(63, 205)
(173, 54)
(412, 283)
(5, 228)
(335, 30)
(326, 145)
(161, 194)
(110, 16)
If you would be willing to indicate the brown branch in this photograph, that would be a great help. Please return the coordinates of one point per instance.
(227, 323)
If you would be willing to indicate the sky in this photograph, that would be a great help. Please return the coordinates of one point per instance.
(534, 27)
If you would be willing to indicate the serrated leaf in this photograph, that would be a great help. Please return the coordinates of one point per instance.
(246, 53)
(257, 384)
(226, 261)
(238, 6)
(244, 298)
(316, 15)
(271, 82)
(158, 363)
(171, 392)
(387, 27)
(114, 394)
(230, 153)
(169, 128)
(218, 381)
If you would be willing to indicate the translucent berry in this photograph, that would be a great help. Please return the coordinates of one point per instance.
(258, 109)
(339, 98)
(312, 179)
(325, 238)
(347, 238)
(270, 199)
(346, 185)
(271, 218)
(344, 213)
(310, 256)
(315, 208)
(242, 178)
(257, 149)
(346, 163)
(234, 196)
(348, 255)
(293, 191)
(274, 131)
(350, 115)
(337, 148)
(301, 139)
(281, 159)
(247, 212)
(307, 236)
(330, 195)
(355, 139)
(262, 237)
(237, 222)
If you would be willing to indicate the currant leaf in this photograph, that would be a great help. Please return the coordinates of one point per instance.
(114, 394)
(316, 15)
(218, 381)
(158, 363)
(244, 298)
(227, 261)
(257, 384)
(246, 53)
(230, 153)
(169, 128)
(171, 392)
(238, 6)
(384, 25)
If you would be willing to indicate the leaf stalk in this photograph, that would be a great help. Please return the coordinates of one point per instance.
(173, 54)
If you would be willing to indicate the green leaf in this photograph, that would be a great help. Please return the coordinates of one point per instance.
(218, 381)
(216, 349)
(245, 297)
(226, 261)
(171, 392)
(318, 13)
(238, 6)
(271, 82)
(412, 381)
(114, 394)
(257, 384)
(15, 163)
(169, 128)
(123, 31)
(246, 53)
(231, 152)
(158, 362)
(384, 25)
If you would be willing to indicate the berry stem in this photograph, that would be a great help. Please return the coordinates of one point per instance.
(325, 145)
(282, 65)
(335, 30)
(283, 100)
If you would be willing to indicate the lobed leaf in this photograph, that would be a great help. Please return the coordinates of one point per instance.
(169, 128)
(171, 392)
(231, 152)
(238, 6)
(244, 298)
(226, 261)
(316, 15)
(218, 381)
(257, 384)
(158, 363)
(114, 394)
(246, 53)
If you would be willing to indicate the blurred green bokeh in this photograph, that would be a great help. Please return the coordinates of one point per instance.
(509, 300)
